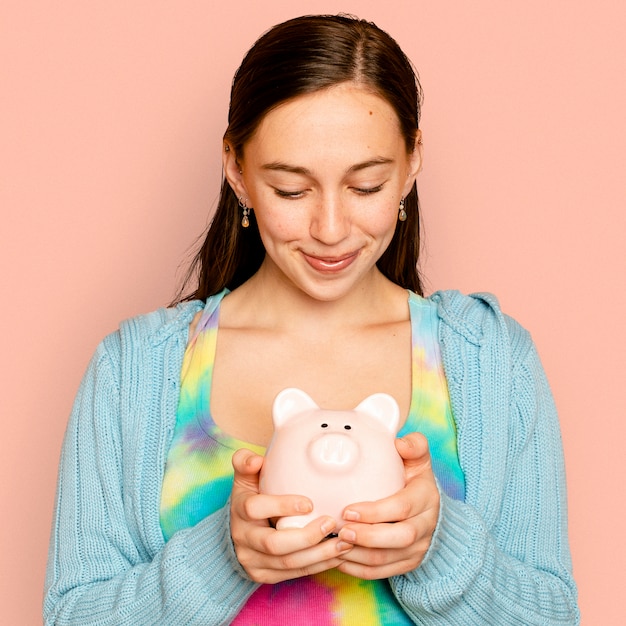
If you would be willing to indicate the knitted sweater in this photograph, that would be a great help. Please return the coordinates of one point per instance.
(501, 557)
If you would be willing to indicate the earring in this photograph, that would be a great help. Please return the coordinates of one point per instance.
(402, 212)
(245, 222)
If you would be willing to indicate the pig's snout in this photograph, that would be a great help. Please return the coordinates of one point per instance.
(333, 452)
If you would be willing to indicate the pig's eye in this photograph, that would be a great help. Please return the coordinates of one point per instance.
(348, 427)
(324, 425)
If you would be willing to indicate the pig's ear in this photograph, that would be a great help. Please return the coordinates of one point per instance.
(384, 408)
(290, 402)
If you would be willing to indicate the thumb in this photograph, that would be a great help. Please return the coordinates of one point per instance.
(413, 448)
(247, 466)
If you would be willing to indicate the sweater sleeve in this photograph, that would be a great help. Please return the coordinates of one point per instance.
(512, 566)
(99, 570)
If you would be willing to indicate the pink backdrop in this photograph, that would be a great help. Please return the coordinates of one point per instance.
(111, 115)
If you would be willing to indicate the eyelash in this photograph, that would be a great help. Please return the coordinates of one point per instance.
(294, 195)
(290, 195)
(370, 190)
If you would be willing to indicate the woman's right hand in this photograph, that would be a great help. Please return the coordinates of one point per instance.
(269, 555)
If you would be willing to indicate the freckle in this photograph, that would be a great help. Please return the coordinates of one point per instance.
(371, 113)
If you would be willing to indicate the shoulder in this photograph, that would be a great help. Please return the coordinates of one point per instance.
(478, 319)
(136, 360)
(160, 325)
(150, 332)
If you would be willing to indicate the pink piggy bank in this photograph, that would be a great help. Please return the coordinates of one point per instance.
(335, 458)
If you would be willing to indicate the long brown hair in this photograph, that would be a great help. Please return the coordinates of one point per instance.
(298, 57)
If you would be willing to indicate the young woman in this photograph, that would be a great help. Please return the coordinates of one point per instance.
(308, 278)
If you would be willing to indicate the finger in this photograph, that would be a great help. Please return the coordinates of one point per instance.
(410, 534)
(413, 448)
(257, 507)
(384, 560)
(246, 463)
(270, 568)
(376, 572)
(276, 574)
(282, 542)
(419, 496)
(247, 466)
(379, 557)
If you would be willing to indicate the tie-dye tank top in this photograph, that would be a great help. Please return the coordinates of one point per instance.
(198, 477)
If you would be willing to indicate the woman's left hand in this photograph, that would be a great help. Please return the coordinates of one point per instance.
(392, 535)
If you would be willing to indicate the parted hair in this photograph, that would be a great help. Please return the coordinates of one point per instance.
(294, 58)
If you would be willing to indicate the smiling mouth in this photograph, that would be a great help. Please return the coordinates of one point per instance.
(331, 264)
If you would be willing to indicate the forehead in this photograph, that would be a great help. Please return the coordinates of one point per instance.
(347, 118)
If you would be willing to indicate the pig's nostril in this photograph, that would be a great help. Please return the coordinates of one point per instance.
(324, 425)
(332, 451)
(348, 427)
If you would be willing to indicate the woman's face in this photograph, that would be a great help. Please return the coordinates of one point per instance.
(324, 174)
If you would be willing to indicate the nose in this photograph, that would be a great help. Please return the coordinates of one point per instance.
(333, 453)
(330, 223)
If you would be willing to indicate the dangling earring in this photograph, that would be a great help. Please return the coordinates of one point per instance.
(245, 222)
(402, 212)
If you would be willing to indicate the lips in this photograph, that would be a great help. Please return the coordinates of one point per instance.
(331, 264)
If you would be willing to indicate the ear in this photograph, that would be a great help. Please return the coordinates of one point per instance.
(415, 163)
(232, 171)
(384, 408)
(290, 402)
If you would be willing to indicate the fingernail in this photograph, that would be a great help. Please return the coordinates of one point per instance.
(342, 546)
(347, 535)
(327, 525)
(304, 506)
(351, 516)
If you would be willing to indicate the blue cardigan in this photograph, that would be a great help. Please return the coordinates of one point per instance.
(501, 557)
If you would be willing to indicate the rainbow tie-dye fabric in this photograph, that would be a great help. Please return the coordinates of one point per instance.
(198, 477)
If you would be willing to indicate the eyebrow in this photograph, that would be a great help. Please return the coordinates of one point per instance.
(278, 166)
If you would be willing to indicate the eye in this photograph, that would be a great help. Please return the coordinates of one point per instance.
(324, 425)
(348, 427)
(365, 191)
(289, 195)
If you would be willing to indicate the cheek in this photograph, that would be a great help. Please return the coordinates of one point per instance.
(280, 222)
(273, 221)
(279, 227)
(382, 221)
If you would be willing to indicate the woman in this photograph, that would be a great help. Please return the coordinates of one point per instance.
(308, 275)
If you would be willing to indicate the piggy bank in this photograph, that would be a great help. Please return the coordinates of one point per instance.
(335, 458)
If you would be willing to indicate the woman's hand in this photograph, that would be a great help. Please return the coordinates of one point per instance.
(391, 536)
(269, 555)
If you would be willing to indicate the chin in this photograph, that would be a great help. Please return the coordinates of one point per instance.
(330, 287)
(330, 291)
